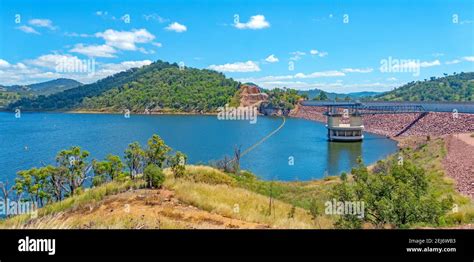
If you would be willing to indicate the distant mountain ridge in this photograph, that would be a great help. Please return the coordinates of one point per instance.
(332, 96)
(9, 94)
(43, 88)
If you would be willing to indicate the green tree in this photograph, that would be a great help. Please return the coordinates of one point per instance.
(74, 166)
(322, 96)
(35, 183)
(107, 170)
(156, 151)
(178, 164)
(395, 195)
(154, 176)
(134, 158)
(116, 166)
(315, 211)
(101, 169)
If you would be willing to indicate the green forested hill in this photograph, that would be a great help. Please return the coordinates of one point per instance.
(457, 87)
(9, 94)
(159, 85)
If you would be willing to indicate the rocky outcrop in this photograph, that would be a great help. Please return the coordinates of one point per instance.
(250, 95)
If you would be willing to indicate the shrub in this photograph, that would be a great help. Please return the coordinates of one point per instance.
(154, 176)
(98, 180)
(344, 176)
(400, 197)
(178, 164)
(208, 175)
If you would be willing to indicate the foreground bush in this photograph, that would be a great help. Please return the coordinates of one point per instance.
(154, 176)
(396, 195)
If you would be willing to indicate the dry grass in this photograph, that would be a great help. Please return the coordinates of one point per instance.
(208, 175)
(86, 198)
(240, 203)
(204, 198)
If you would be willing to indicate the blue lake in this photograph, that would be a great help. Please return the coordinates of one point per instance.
(35, 138)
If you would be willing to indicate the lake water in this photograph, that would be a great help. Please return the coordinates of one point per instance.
(35, 138)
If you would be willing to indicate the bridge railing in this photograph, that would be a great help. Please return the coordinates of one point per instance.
(391, 109)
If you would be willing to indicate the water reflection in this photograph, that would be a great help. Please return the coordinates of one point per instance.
(340, 154)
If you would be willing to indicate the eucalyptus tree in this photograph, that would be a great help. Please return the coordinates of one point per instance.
(74, 162)
(178, 164)
(157, 150)
(35, 183)
(107, 170)
(135, 159)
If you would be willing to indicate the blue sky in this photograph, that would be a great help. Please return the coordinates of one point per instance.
(337, 46)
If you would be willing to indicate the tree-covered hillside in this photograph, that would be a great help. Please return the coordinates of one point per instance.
(188, 90)
(457, 87)
(158, 86)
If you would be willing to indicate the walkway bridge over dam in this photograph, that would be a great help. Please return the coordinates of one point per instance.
(345, 123)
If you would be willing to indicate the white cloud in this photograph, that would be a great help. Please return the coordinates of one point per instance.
(271, 78)
(430, 64)
(111, 68)
(126, 40)
(27, 29)
(176, 27)
(392, 79)
(21, 74)
(414, 64)
(297, 55)
(466, 22)
(323, 54)
(248, 66)
(271, 59)
(157, 44)
(4, 63)
(156, 18)
(50, 61)
(255, 22)
(94, 50)
(145, 51)
(357, 70)
(275, 78)
(104, 70)
(101, 13)
(73, 34)
(332, 73)
(469, 58)
(315, 52)
(44, 68)
(42, 23)
(452, 62)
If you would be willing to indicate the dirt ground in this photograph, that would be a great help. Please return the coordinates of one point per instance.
(142, 208)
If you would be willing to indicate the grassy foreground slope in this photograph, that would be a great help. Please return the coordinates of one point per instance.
(205, 198)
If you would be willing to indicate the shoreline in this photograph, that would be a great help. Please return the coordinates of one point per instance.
(135, 113)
